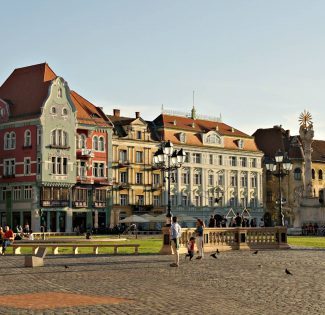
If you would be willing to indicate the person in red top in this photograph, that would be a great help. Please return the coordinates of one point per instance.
(8, 239)
(190, 248)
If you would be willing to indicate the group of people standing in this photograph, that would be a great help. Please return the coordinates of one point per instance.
(237, 221)
(175, 235)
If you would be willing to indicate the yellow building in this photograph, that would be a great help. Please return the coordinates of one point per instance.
(137, 186)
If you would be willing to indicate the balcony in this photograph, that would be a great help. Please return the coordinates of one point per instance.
(141, 209)
(99, 204)
(124, 186)
(80, 204)
(156, 187)
(123, 163)
(85, 180)
(54, 203)
(59, 146)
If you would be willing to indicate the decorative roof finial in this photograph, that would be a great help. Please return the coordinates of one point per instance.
(305, 119)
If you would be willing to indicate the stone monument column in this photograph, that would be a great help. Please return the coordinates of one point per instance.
(307, 134)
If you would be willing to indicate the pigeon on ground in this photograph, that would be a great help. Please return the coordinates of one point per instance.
(259, 266)
(288, 272)
(66, 267)
(217, 251)
(255, 253)
(214, 255)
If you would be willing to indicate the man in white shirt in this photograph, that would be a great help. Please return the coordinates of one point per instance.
(175, 234)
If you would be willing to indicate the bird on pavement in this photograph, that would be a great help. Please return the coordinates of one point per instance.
(217, 251)
(255, 253)
(214, 255)
(66, 267)
(288, 272)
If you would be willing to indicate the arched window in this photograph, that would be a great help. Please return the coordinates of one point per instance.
(101, 144)
(7, 141)
(27, 138)
(82, 141)
(320, 174)
(95, 143)
(13, 140)
(59, 138)
(64, 112)
(313, 174)
(53, 110)
(297, 173)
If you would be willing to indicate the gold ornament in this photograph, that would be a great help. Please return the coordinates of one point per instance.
(305, 119)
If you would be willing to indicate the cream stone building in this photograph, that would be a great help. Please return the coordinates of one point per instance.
(222, 173)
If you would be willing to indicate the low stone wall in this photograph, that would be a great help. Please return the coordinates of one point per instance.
(232, 239)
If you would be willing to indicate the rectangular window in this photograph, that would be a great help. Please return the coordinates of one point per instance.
(173, 175)
(232, 161)
(28, 192)
(123, 177)
(58, 166)
(197, 179)
(38, 166)
(211, 159)
(17, 193)
(220, 180)
(243, 181)
(243, 161)
(123, 156)
(155, 179)
(100, 195)
(80, 194)
(198, 201)
(156, 201)
(253, 182)
(187, 157)
(123, 200)
(27, 166)
(9, 167)
(253, 162)
(185, 201)
(233, 180)
(211, 201)
(140, 200)
(220, 160)
(138, 178)
(139, 157)
(196, 158)
(65, 166)
(185, 178)
(139, 135)
(98, 169)
(210, 180)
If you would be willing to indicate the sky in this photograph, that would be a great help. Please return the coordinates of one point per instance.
(257, 63)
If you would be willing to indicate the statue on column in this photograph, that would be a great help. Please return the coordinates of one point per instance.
(306, 132)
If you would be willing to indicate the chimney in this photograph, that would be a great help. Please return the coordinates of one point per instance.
(137, 114)
(116, 112)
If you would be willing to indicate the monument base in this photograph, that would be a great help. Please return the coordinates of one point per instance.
(309, 210)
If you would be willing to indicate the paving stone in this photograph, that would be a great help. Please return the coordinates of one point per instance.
(235, 283)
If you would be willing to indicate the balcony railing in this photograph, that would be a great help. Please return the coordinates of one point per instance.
(54, 203)
(123, 163)
(99, 204)
(79, 204)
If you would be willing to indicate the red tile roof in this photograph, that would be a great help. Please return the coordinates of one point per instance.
(170, 127)
(27, 88)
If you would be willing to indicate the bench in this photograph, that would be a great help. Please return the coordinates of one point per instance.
(75, 247)
(38, 259)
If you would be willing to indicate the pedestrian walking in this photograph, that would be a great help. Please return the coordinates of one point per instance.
(199, 237)
(175, 234)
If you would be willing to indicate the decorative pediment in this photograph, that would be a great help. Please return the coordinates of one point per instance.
(212, 138)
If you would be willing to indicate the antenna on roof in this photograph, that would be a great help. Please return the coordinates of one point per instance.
(162, 108)
(193, 98)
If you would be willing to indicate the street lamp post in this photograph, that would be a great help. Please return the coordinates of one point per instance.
(168, 159)
(279, 167)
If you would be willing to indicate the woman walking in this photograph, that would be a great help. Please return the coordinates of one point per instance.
(199, 238)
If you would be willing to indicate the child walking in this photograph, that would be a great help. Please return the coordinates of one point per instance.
(190, 248)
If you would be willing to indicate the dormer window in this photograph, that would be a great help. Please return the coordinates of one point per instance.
(240, 143)
(53, 110)
(213, 138)
(182, 137)
(139, 135)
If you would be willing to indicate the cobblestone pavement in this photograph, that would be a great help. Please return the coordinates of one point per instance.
(238, 282)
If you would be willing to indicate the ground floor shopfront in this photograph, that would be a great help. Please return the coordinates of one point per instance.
(57, 220)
